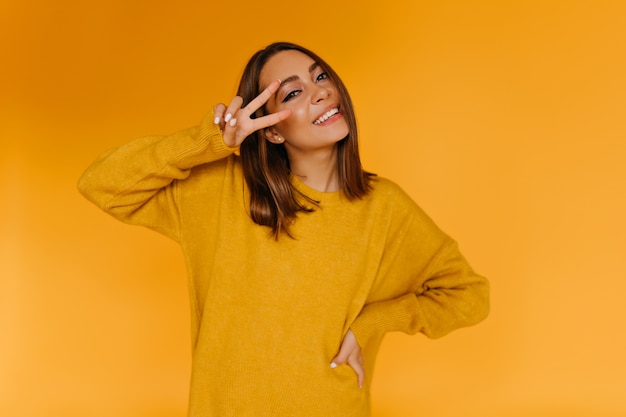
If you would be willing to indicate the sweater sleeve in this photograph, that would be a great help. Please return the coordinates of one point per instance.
(428, 287)
(136, 183)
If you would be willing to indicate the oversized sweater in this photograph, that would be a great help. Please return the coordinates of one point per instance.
(269, 315)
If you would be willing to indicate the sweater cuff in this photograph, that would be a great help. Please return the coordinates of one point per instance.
(382, 317)
(208, 129)
(208, 144)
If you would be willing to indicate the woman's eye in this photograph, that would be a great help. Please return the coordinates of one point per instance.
(291, 95)
(322, 76)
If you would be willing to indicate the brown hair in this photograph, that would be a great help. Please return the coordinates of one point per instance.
(274, 202)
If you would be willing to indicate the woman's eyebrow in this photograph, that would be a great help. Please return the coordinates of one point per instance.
(288, 80)
(294, 77)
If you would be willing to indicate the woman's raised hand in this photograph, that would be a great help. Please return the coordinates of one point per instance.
(235, 121)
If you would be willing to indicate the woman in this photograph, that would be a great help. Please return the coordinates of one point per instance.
(299, 261)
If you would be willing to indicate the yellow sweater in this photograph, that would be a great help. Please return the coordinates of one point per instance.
(268, 316)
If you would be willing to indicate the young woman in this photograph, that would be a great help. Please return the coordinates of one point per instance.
(299, 261)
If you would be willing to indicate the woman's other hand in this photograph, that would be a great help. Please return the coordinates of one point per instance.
(350, 353)
(235, 121)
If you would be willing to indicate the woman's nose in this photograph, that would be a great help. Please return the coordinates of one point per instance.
(321, 93)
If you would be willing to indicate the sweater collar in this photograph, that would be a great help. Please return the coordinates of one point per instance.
(324, 198)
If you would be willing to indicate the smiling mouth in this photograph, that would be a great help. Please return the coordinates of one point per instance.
(330, 113)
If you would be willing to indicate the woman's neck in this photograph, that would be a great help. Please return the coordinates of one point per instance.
(317, 170)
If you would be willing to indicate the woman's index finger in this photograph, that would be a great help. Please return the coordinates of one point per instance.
(262, 98)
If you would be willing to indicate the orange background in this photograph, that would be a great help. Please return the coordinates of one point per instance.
(505, 120)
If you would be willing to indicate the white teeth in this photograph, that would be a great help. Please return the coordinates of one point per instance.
(326, 116)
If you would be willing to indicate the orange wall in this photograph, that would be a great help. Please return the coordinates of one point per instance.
(504, 120)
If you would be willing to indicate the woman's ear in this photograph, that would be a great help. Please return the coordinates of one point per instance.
(272, 135)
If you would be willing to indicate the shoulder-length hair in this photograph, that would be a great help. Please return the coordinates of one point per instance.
(274, 201)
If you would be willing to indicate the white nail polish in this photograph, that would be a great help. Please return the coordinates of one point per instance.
(216, 120)
(227, 118)
(233, 122)
(333, 365)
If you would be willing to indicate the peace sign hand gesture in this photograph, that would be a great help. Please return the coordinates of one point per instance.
(236, 125)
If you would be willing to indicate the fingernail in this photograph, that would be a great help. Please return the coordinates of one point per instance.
(233, 122)
(216, 120)
(227, 118)
(333, 365)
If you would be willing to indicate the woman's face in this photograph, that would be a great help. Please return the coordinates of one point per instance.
(316, 121)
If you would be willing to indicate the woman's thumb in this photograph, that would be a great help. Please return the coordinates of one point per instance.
(340, 359)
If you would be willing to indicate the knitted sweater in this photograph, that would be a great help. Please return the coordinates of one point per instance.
(269, 315)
